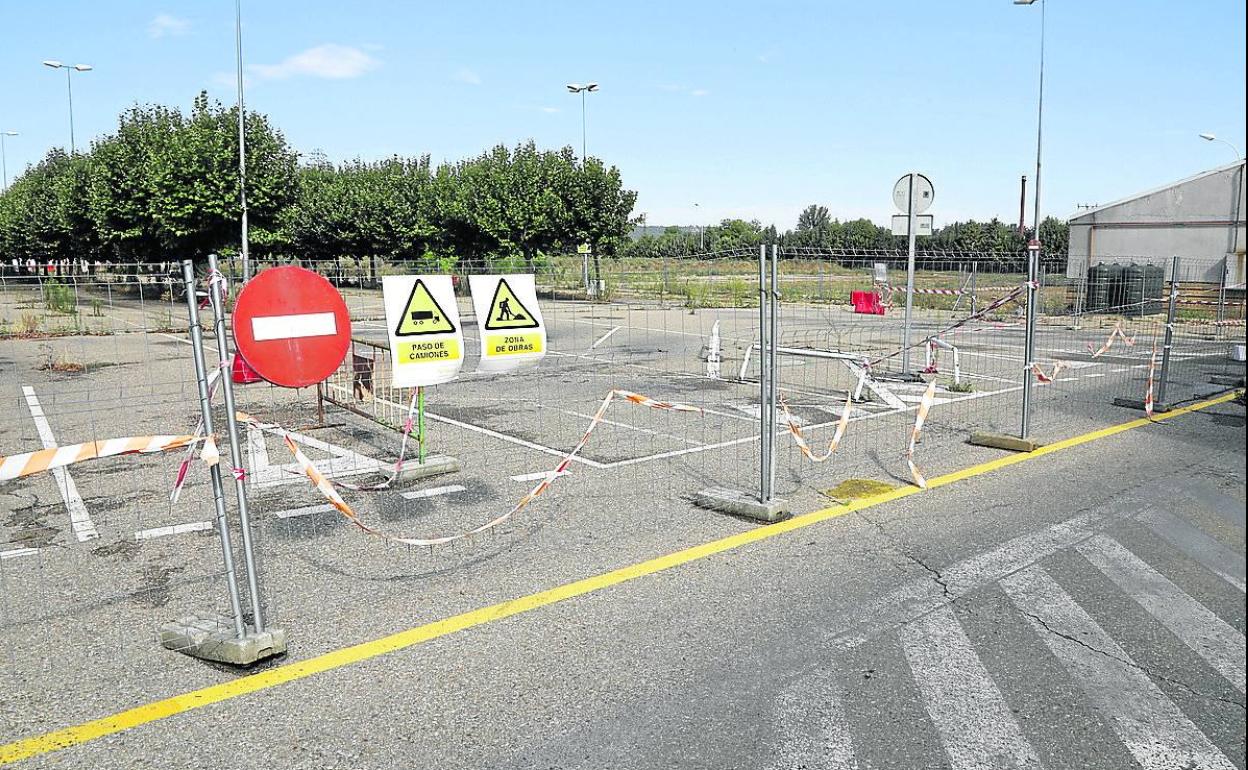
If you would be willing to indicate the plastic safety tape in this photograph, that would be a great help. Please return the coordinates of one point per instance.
(1148, 394)
(17, 466)
(925, 406)
(326, 487)
(1115, 333)
(795, 430)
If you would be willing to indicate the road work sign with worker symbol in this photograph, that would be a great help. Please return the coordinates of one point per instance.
(426, 342)
(509, 320)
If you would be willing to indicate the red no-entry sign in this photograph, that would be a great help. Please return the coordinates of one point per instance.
(291, 326)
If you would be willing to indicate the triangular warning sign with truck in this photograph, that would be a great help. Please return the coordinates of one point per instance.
(506, 311)
(422, 315)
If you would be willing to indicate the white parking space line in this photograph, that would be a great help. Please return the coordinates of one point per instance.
(617, 424)
(536, 476)
(514, 440)
(17, 552)
(420, 494)
(1153, 728)
(176, 529)
(1205, 633)
(958, 692)
(307, 510)
(604, 337)
(79, 519)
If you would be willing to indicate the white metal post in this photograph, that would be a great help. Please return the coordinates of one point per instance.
(910, 226)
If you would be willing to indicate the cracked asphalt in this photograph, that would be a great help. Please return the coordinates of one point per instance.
(1079, 610)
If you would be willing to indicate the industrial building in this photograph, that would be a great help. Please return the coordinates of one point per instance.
(1200, 219)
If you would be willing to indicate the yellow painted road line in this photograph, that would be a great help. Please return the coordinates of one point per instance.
(157, 710)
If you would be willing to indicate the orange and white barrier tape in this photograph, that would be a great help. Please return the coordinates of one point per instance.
(1148, 394)
(1045, 379)
(326, 487)
(17, 466)
(925, 406)
(795, 430)
(1116, 333)
(179, 479)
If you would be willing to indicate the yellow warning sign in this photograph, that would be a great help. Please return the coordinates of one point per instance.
(506, 311)
(422, 352)
(513, 344)
(422, 315)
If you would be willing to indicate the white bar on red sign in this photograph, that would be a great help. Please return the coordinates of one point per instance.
(286, 327)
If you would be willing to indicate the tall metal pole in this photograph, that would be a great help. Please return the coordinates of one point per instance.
(1039, 124)
(1022, 207)
(236, 447)
(773, 371)
(764, 493)
(1033, 251)
(1171, 313)
(583, 132)
(205, 412)
(242, 146)
(910, 227)
(4, 161)
(69, 85)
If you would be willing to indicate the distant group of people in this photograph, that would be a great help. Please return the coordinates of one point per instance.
(33, 268)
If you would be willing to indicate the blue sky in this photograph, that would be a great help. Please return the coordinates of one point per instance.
(746, 109)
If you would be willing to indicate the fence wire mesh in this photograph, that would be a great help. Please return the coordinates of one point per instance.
(94, 558)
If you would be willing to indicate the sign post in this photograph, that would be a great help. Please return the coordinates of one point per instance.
(913, 195)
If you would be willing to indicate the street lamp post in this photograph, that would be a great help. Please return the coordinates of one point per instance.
(69, 85)
(577, 88)
(4, 161)
(1033, 247)
(242, 144)
(1235, 214)
(1212, 138)
(697, 207)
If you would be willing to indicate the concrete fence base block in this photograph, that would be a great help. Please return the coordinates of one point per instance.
(1222, 379)
(209, 636)
(1138, 403)
(741, 504)
(434, 465)
(1002, 441)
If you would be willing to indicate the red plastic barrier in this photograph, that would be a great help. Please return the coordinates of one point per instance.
(242, 373)
(867, 302)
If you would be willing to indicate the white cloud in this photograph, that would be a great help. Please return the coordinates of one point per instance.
(466, 75)
(331, 61)
(699, 92)
(167, 25)
(550, 110)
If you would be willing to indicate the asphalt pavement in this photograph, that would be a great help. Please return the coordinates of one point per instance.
(1080, 609)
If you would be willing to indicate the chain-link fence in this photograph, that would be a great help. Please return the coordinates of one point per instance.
(94, 558)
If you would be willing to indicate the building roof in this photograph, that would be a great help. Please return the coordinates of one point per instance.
(1203, 174)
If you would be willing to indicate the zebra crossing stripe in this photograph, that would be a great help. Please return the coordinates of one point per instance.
(1203, 549)
(972, 717)
(832, 747)
(1149, 724)
(1205, 633)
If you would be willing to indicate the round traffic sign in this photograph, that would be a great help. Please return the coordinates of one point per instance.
(292, 326)
(924, 193)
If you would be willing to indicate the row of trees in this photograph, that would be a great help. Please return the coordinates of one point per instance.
(818, 231)
(167, 185)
